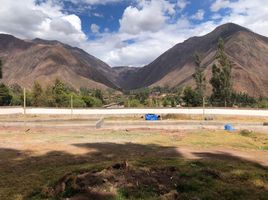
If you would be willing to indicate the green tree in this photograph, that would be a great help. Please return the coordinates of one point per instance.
(49, 100)
(98, 94)
(92, 101)
(61, 94)
(221, 78)
(200, 80)
(17, 95)
(243, 99)
(190, 97)
(37, 95)
(1, 72)
(5, 96)
(142, 95)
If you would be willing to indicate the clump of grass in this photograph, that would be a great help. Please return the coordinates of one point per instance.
(246, 133)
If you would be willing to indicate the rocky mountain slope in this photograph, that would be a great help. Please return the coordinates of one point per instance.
(248, 52)
(44, 61)
(26, 61)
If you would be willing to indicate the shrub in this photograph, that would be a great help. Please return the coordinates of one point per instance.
(245, 133)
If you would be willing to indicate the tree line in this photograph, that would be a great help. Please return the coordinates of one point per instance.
(56, 95)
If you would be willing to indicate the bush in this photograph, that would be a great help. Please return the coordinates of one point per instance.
(133, 103)
(245, 133)
(92, 101)
(263, 103)
(78, 102)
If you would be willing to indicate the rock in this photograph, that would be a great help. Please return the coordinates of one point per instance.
(123, 165)
(172, 195)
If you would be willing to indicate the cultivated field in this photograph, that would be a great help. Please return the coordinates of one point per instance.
(43, 162)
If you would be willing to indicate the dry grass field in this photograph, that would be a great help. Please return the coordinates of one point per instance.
(153, 164)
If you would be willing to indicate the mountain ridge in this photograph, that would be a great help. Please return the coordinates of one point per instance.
(42, 60)
(176, 65)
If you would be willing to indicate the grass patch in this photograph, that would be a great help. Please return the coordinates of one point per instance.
(31, 162)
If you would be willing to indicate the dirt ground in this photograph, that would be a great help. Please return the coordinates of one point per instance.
(38, 141)
(33, 160)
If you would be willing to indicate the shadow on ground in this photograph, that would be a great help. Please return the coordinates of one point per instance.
(212, 176)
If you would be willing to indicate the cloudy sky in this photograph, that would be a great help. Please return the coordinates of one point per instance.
(127, 32)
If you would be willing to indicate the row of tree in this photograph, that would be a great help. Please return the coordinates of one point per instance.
(56, 95)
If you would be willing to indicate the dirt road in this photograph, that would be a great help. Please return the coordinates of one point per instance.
(192, 111)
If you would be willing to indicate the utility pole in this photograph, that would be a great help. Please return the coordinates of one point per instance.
(24, 108)
(204, 105)
(24, 101)
(71, 106)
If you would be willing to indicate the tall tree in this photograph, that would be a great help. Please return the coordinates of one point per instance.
(1, 72)
(200, 80)
(221, 78)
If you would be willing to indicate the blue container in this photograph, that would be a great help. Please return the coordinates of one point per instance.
(229, 127)
(151, 117)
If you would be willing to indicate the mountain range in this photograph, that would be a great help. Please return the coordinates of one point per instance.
(26, 61)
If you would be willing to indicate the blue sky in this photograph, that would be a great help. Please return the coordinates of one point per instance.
(127, 32)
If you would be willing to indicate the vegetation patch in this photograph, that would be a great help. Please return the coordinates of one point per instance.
(174, 180)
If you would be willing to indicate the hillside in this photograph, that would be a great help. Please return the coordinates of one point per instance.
(247, 50)
(44, 61)
(28, 60)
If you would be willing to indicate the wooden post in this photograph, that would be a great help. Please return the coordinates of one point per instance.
(24, 101)
(71, 106)
(204, 104)
(24, 108)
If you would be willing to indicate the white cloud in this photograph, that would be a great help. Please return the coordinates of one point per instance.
(219, 4)
(94, 28)
(199, 15)
(147, 28)
(93, 2)
(181, 4)
(247, 13)
(147, 16)
(26, 19)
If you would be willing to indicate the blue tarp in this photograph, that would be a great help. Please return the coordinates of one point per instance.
(151, 117)
(229, 127)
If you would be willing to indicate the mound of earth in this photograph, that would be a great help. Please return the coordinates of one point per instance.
(118, 180)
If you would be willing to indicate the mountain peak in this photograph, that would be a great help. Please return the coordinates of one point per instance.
(228, 29)
(48, 42)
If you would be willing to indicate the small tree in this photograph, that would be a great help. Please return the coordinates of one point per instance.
(17, 95)
(98, 94)
(190, 97)
(60, 93)
(221, 78)
(37, 95)
(5, 96)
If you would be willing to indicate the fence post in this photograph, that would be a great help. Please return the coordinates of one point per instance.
(204, 105)
(24, 101)
(71, 106)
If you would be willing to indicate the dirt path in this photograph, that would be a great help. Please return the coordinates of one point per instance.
(260, 157)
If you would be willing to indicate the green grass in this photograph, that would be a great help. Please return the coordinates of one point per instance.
(218, 179)
(23, 174)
